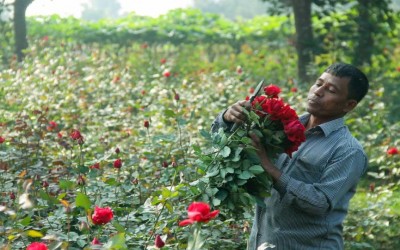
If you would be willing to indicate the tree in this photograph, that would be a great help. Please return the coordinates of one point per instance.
(98, 9)
(232, 9)
(369, 16)
(21, 42)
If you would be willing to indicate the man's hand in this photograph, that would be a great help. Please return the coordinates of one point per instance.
(235, 112)
(265, 161)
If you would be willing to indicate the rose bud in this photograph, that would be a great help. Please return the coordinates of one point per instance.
(118, 163)
(117, 151)
(159, 243)
(146, 124)
(176, 97)
(167, 74)
(95, 241)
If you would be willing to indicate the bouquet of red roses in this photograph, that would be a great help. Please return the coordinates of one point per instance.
(233, 174)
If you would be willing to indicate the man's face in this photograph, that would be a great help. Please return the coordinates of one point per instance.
(327, 98)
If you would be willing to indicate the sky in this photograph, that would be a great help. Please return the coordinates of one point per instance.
(66, 8)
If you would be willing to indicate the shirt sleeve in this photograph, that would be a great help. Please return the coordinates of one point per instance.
(337, 179)
(219, 122)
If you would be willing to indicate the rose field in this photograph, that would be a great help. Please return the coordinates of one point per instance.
(105, 128)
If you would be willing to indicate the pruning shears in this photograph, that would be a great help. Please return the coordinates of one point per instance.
(251, 99)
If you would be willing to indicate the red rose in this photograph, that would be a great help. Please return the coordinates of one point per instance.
(95, 166)
(95, 241)
(199, 212)
(167, 73)
(76, 135)
(392, 151)
(239, 70)
(294, 131)
(159, 242)
(52, 126)
(287, 114)
(2, 140)
(146, 124)
(118, 163)
(273, 107)
(37, 246)
(102, 216)
(272, 91)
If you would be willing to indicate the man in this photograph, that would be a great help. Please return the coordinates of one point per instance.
(311, 191)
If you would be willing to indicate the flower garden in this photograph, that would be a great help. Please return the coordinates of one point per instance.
(103, 145)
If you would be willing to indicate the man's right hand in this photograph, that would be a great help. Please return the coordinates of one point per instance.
(235, 112)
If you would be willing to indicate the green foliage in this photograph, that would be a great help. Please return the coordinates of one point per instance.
(107, 90)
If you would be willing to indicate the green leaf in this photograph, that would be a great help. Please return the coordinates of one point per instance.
(169, 113)
(83, 200)
(225, 152)
(245, 175)
(117, 242)
(256, 169)
(25, 221)
(66, 184)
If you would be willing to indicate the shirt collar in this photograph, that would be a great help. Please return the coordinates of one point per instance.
(327, 127)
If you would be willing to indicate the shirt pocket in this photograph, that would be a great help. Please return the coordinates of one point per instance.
(307, 171)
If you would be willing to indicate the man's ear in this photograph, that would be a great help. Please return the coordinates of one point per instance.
(350, 105)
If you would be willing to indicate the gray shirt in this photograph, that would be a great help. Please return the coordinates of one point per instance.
(309, 202)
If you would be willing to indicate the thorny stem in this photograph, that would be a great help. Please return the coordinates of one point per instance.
(159, 214)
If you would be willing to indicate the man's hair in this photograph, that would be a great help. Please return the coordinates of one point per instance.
(358, 85)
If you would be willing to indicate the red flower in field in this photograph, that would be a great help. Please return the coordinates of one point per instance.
(76, 135)
(176, 97)
(165, 164)
(272, 91)
(37, 246)
(118, 163)
(45, 184)
(372, 187)
(251, 90)
(159, 243)
(199, 212)
(392, 151)
(12, 196)
(102, 216)
(146, 124)
(95, 166)
(167, 73)
(117, 151)
(2, 140)
(52, 126)
(163, 60)
(239, 70)
(95, 241)
(59, 135)
(293, 90)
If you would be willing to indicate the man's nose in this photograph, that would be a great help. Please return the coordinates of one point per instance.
(319, 91)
